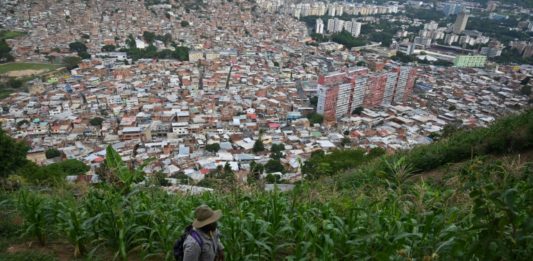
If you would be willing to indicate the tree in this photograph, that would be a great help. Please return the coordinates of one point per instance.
(345, 141)
(315, 118)
(277, 151)
(5, 55)
(130, 42)
(181, 53)
(525, 81)
(71, 62)
(256, 169)
(161, 179)
(258, 146)
(52, 153)
(273, 178)
(184, 23)
(71, 167)
(214, 148)
(346, 39)
(526, 90)
(15, 83)
(96, 121)
(149, 37)
(314, 101)
(12, 154)
(358, 110)
(77, 47)
(109, 48)
(227, 169)
(84, 55)
(274, 165)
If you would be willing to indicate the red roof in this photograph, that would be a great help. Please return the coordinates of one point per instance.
(204, 171)
(252, 116)
(274, 125)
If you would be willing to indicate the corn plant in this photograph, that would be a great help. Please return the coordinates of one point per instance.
(35, 210)
(72, 222)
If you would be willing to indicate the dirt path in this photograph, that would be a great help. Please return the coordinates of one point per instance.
(24, 73)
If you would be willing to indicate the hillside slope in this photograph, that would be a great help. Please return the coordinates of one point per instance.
(481, 208)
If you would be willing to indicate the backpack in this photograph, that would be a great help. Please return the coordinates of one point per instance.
(178, 246)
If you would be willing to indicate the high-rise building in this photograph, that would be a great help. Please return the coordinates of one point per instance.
(460, 23)
(494, 49)
(331, 25)
(335, 25)
(431, 26)
(339, 93)
(491, 6)
(356, 28)
(319, 27)
(452, 8)
(331, 10)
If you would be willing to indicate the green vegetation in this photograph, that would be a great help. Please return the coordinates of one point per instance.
(258, 146)
(276, 151)
(214, 148)
(347, 39)
(52, 153)
(321, 164)
(512, 56)
(344, 38)
(313, 101)
(12, 83)
(77, 47)
(150, 37)
(524, 3)
(5, 35)
(5, 55)
(498, 29)
(108, 48)
(480, 209)
(274, 165)
(50, 175)
(96, 121)
(404, 58)
(71, 62)
(80, 48)
(315, 118)
(425, 14)
(5, 50)
(358, 110)
(526, 90)
(184, 23)
(180, 53)
(12, 154)
(9, 67)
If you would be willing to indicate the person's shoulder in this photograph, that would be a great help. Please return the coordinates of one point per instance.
(190, 240)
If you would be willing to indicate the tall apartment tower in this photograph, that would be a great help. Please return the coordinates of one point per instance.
(339, 93)
(331, 25)
(460, 23)
(319, 27)
(356, 28)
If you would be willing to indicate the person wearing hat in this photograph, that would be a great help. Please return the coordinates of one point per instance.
(203, 243)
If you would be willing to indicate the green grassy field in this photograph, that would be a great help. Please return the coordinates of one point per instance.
(4, 35)
(4, 68)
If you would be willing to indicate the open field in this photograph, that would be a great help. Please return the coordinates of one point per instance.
(25, 69)
(4, 35)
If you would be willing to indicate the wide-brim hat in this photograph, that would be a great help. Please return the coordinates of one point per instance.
(204, 215)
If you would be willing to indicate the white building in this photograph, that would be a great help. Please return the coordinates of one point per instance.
(319, 27)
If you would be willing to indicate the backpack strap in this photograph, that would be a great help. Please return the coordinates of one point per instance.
(197, 237)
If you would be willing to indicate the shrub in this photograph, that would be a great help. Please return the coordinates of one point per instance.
(52, 153)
